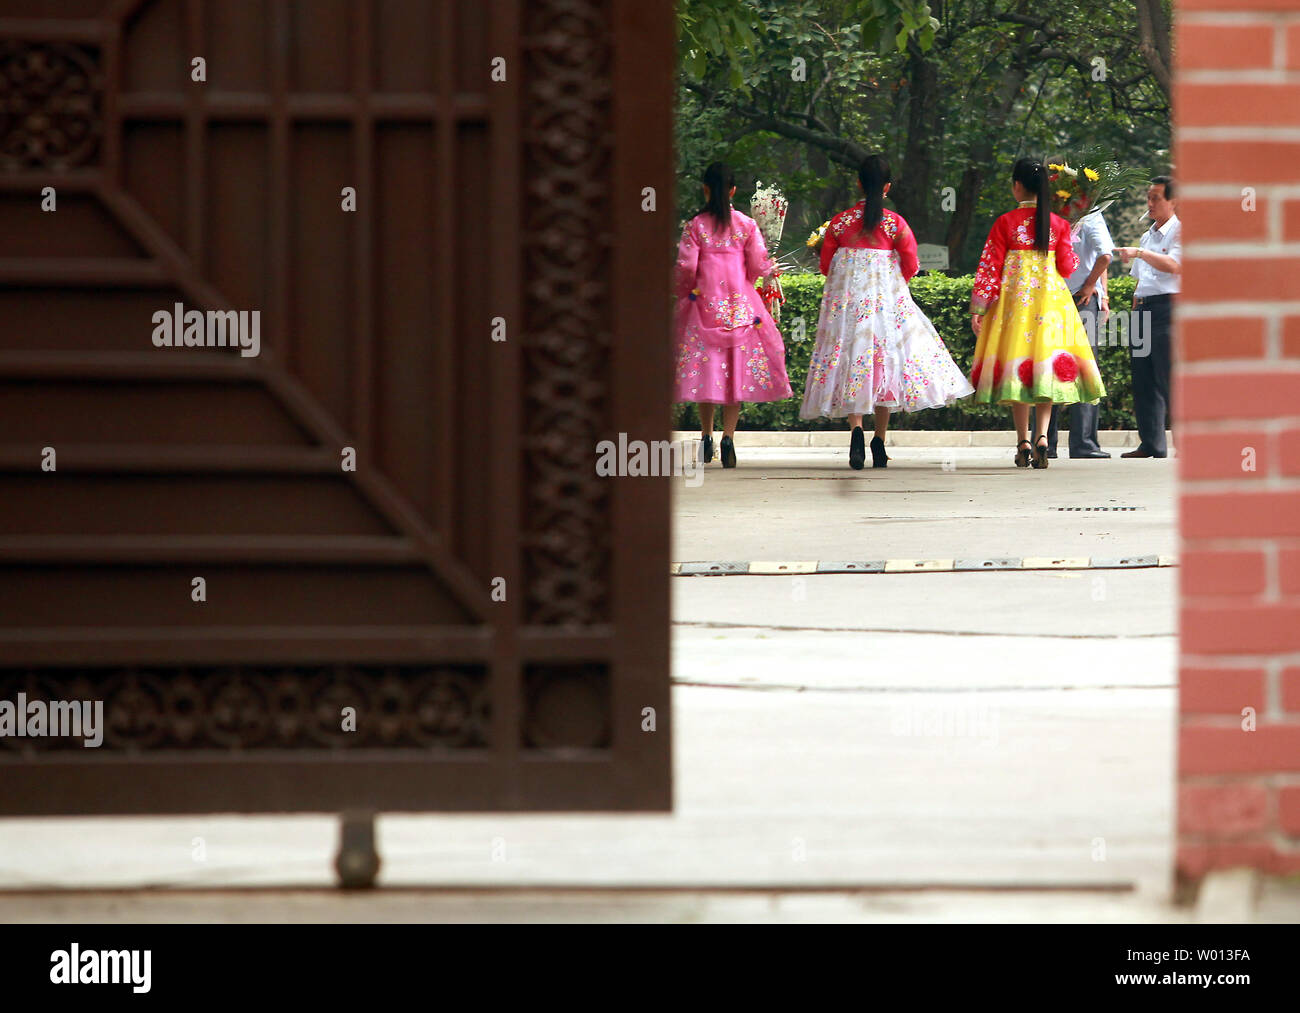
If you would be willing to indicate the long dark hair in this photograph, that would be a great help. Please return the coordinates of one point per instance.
(1031, 173)
(719, 178)
(873, 174)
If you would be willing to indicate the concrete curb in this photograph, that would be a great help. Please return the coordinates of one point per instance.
(776, 568)
(1119, 438)
(1227, 897)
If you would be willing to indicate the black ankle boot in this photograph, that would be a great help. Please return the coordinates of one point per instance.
(879, 459)
(857, 449)
(706, 448)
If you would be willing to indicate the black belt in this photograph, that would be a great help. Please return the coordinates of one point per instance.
(1167, 297)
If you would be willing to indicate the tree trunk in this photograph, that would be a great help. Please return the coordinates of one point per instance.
(914, 193)
(1156, 48)
(980, 156)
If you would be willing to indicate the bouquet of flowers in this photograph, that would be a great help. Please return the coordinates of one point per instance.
(1094, 186)
(768, 208)
(817, 235)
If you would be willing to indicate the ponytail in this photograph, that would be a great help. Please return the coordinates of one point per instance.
(873, 174)
(1031, 173)
(719, 178)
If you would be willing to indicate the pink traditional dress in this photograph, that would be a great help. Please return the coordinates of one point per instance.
(728, 348)
(1032, 345)
(875, 348)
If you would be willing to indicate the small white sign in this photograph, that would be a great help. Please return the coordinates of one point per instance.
(932, 256)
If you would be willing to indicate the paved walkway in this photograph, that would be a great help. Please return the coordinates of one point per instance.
(984, 730)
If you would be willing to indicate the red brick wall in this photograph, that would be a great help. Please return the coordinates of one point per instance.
(1237, 388)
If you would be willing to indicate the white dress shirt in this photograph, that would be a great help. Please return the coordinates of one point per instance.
(1092, 240)
(1167, 241)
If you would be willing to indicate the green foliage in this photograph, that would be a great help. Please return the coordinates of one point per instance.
(718, 33)
(718, 30)
(946, 301)
(952, 106)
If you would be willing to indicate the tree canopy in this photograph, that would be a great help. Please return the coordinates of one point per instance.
(796, 92)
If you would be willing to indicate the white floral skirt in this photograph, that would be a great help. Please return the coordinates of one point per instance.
(875, 348)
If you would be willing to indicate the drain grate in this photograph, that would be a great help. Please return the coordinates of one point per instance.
(1091, 509)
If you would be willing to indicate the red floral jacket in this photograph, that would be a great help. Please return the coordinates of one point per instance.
(893, 233)
(1015, 231)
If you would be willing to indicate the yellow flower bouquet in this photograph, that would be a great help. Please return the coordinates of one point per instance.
(817, 235)
(1097, 183)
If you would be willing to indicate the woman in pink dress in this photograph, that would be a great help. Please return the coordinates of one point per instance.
(728, 347)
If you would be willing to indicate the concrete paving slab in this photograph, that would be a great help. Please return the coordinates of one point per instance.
(831, 731)
(1083, 605)
(872, 662)
(587, 906)
(1278, 901)
(928, 504)
(1052, 788)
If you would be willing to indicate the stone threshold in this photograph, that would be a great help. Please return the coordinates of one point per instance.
(1117, 438)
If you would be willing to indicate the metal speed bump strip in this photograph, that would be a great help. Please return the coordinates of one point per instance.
(712, 569)
(871, 566)
(1054, 563)
(766, 567)
(987, 564)
(916, 565)
(1124, 562)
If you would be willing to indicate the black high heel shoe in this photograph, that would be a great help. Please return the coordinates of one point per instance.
(706, 448)
(879, 459)
(728, 453)
(1040, 453)
(1022, 456)
(857, 449)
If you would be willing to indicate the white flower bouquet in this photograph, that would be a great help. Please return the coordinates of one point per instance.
(768, 207)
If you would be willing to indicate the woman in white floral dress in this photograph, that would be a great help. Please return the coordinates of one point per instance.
(876, 351)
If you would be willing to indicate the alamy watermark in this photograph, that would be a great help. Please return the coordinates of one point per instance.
(75, 966)
(648, 458)
(968, 718)
(54, 719)
(182, 328)
(1131, 329)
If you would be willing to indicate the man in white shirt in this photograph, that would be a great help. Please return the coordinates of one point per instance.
(1158, 266)
(1092, 245)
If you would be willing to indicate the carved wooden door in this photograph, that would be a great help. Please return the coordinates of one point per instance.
(371, 565)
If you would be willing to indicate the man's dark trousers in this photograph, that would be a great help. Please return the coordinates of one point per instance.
(1151, 403)
(1083, 417)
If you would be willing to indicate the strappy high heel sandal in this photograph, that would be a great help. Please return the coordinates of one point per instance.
(1022, 456)
(1040, 453)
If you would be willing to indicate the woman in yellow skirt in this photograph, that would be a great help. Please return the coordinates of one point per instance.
(1031, 346)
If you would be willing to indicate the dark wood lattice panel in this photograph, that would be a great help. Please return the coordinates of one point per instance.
(337, 707)
(567, 245)
(50, 105)
(475, 200)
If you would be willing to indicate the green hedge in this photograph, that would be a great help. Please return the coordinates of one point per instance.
(946, 301)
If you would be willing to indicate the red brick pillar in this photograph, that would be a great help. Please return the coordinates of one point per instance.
(1237, 411)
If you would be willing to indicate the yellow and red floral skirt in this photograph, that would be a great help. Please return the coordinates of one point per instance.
(1032, 346)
